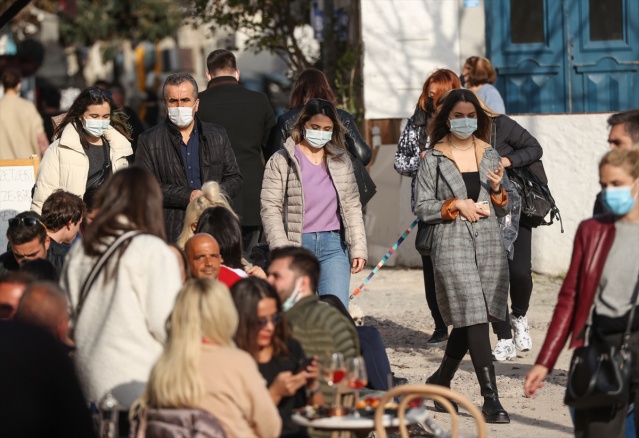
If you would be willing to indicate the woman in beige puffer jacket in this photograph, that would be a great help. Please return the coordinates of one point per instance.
(323, 211)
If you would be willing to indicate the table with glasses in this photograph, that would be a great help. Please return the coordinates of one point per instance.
(359, 426)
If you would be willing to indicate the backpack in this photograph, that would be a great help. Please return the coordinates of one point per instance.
(536, 200)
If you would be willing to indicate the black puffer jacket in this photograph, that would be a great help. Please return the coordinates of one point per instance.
(513, 141)
(356, 144)
(159, 152)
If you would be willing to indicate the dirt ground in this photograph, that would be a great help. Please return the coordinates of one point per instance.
(394, 302)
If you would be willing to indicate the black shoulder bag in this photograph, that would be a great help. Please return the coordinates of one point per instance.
(365, 184)
(426, 232)
(600, 373)
(98, 178)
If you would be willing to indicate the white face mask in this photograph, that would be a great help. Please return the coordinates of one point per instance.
(294, 297)
(181, 115)
(463, 128)
(96, 127)
(317, 138)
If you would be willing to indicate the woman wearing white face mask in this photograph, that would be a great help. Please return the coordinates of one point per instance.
(598, 291)
(310, 198)
(92, 142)
(459, 191)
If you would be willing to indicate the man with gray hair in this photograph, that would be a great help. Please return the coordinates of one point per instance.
(45, 304)
(183, 153)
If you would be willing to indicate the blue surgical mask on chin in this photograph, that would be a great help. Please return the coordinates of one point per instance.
(96, 127)
(619, 200)
(463, 128)
(317, 138)
(293, 298)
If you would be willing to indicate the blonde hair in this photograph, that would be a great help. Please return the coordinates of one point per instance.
(212, 197)
(627, 159)
(203, 309)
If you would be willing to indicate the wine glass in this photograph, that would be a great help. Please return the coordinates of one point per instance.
(357, 377)
(333, 369)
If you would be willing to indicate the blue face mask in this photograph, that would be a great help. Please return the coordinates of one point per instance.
(619, 200)
(317, 138)
(293, 298)
(96, 127)
(463, 128)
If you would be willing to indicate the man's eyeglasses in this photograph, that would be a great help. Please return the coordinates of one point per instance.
(275, 320)
(98, 94)
(26, 221)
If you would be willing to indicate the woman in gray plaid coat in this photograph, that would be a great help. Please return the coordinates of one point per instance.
(460, 191)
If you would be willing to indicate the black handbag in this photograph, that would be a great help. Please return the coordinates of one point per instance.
(536, 201)
(365, 184)
(426, 232)
(599, 373)
(98, 178)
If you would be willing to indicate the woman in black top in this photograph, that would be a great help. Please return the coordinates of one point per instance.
(262, 332)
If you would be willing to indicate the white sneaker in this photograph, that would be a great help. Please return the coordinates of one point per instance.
(523, 342)
(504, 350)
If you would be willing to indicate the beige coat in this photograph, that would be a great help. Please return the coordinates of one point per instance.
(65, 164)
(340, 169)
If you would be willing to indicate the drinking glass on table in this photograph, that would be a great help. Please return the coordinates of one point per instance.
(334, 371)
(357, 377)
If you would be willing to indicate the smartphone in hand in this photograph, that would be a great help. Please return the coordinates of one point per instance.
(303, 363)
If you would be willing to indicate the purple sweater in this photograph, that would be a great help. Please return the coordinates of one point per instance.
(321, 207)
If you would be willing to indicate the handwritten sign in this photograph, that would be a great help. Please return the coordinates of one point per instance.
(17, 178)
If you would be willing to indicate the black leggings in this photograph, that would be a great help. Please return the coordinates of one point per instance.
(521, 284)
(431, 296)
(474, 338)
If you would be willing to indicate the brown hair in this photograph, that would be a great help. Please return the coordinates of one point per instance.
(313, 108)
(220, 60)
(11, 78)
(481, 71)
(60, 208)
(311, 83)
(444, 80)
(131, 199)
(247, 294)
(627, 159)
(438, 128)
(93, 96)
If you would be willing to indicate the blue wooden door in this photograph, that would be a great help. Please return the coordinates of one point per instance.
(603, 50)
(555, 56)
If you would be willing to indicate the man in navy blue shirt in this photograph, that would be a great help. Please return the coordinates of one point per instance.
(183, 153)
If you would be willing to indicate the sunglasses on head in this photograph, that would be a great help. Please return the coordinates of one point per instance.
(275, 319)
(26, 221)
(98, 94)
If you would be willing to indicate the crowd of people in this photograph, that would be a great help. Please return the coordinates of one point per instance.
(138, 261)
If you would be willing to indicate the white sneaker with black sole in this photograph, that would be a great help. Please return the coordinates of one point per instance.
(504, 350)
(523, 342)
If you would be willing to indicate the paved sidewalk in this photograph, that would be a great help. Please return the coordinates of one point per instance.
(394, 302)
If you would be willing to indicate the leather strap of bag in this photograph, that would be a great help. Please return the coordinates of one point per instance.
(626, 335)
(99, 265)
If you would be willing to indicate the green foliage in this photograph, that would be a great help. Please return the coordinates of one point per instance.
(269, 24)
(111, 20)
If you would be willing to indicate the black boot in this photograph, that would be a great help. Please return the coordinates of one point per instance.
(493, 411)
(443, 377)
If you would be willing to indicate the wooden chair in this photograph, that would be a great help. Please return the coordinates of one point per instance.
(437, 393)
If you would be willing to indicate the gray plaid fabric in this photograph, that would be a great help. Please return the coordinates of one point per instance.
(471, 269)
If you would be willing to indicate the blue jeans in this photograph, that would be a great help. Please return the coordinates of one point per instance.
(335, 268)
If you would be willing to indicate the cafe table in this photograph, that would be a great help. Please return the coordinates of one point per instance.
(360, 426)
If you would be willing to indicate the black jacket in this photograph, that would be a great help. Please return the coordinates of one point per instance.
(159, 152)
(512, 141)
(248, 118)
(356, 144)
